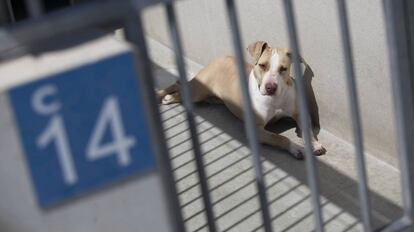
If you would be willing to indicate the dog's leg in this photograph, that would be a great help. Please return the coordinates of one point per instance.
(273, 139)
(318, 149)
(199, 92)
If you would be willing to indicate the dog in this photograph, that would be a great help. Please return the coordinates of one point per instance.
(272, 92)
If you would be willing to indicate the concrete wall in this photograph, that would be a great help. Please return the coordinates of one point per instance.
(206, 34)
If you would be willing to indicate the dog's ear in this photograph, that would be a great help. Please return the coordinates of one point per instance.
(301, 60)
(256, 49)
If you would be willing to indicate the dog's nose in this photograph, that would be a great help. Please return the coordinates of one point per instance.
(270, 88)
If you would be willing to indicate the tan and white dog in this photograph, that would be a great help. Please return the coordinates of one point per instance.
(272, 92)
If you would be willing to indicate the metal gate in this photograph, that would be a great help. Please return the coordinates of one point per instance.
(127, 14)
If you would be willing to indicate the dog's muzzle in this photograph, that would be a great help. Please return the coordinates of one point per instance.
(270, 88)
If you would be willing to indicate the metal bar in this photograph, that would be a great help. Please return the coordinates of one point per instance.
(188, 106)
(34, 8)
(399, 225)
(355, 115)
(249, 117)
(135, 34)
(64, 21)
(304, 116)
(401, 61)
(11, 13)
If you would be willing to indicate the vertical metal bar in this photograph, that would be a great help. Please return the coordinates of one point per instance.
(188, 105)
(248, 115)
(304, 116)
(355, 115)
(11, 13)
(34, 8)
(401, 224)
(400, 45)
(135, 34)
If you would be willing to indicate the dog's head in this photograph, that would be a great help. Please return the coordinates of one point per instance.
(271, 67)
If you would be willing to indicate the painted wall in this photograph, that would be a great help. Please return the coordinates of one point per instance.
(206, 35)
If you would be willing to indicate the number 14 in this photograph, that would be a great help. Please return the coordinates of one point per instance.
(110, 116)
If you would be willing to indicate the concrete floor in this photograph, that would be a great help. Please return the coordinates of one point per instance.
(230, 177)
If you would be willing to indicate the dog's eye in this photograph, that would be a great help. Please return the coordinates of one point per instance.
(262, 66)
(282, 69)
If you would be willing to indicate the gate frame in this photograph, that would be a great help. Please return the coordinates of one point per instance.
(399, 15)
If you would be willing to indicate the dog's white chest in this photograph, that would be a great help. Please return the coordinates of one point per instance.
(270, 107)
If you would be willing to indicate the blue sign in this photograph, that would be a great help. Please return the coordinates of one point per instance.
(83, 128)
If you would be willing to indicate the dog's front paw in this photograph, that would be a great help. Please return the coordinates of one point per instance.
(297, 151)
(318, 149)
